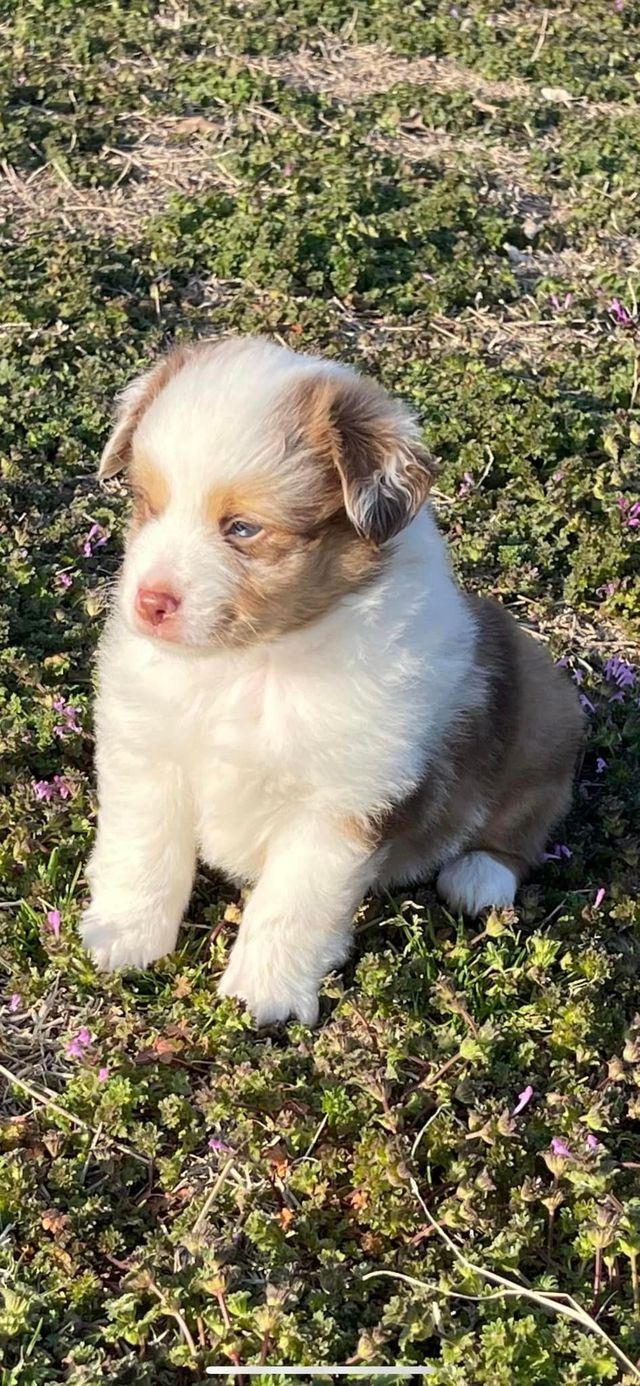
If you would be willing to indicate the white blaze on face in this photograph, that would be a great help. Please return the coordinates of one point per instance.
(210, 426)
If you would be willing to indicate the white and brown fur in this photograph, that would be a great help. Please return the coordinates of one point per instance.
(306, 701)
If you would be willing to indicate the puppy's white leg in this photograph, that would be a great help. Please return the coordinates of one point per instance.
(297, 924)
(475, 881)
(141, 868)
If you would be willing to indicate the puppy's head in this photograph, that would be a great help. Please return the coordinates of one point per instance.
(266, 488)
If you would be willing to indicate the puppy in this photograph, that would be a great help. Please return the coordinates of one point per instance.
(291, 684)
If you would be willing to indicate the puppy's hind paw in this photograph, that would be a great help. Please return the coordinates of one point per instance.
(476, 881)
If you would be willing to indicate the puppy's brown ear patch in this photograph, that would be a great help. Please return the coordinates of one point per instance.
(385, 470)
(132, 405)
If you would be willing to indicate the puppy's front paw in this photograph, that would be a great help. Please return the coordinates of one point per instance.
(268, 983)
(119, 944)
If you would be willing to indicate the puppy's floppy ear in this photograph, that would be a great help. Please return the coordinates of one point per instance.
(130, 407)
(385, 469)
(133, 403)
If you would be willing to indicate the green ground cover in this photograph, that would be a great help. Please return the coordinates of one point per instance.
(446, 196)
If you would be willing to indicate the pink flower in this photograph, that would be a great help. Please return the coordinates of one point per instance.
(608, 588)
(15, 1001)
(47, 789)
(558, 852)
(592, 1143)
(70, 715)
(215, 1144)
(103, 1074)
(80, 1042)
(560, 1147)
(96, 537)
(561, 307)
(63, 580)
(523, 1099)
(620, 314)
(630, 512)
(466, 485)
(54, 921)
(42, 789)
(599, 897)
(601, 764)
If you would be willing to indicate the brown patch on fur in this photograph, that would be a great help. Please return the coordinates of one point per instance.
(310, 553)
(353, 473)
(135, 402)
(151, 490)
(269, 500)
(371, 442)
(514, 756)
(365, 831)
(287, 579)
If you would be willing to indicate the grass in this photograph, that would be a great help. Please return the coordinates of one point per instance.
(447, 197)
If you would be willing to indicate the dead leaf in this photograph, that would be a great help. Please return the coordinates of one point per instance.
(53, 1221)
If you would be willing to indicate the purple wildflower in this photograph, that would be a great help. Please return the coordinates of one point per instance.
(103, 1073)
(54, 921)
(558, 853)
(586, 703)
(42, 789)
(466, 485)
(217, 1145)
(608, 588)
(601, 764)
(593, 1143)
(560, 1147)
(95, 539)
(618, 5)
(523, 1099)
(15, 1001)
(599, 897)
(620, 314)
(618, 671)
(80, 1042)
(63, 580)
(70, 716)
(630, 512)
(48, 789)
(578, 676)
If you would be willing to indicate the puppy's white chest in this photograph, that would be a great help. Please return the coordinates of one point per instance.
(243, 776)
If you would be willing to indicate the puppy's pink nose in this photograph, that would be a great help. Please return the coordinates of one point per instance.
(154, 607)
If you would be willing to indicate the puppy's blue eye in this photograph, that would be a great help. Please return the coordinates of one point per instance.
(243, 529)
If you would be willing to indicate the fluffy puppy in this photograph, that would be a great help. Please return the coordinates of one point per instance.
(291, 684)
